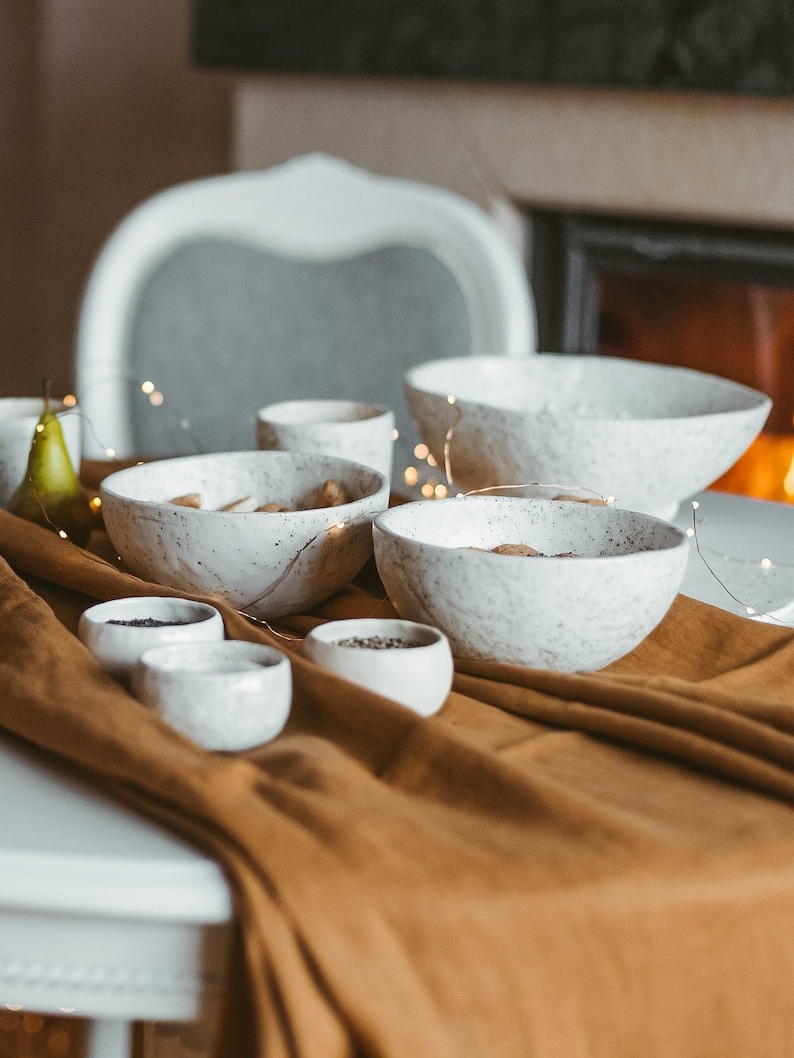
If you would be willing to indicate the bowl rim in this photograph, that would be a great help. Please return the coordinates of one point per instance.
(329, 633)
(102, 613)
(110, 485)
(680, 541)
(756, 399)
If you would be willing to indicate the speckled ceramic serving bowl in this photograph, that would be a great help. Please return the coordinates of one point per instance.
(561, 613)
(648, 434)
(267, 563)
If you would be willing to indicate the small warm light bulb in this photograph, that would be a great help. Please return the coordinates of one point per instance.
(440, 492)
(147, 387)
(39, 427)
(96, 502)
(431, 461)
(410, 475)
(750, 610)
(395, 434)
(427, 490)
(110, 452)
(339, 525)
(63, 535)
(690, 531)
(766, 563)
(421, 451)
(695, 505)
(70, 400)
(156, 398)
(611, 501)
(451, 398)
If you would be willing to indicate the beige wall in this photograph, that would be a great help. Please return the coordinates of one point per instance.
(714, 158)
(99, 108)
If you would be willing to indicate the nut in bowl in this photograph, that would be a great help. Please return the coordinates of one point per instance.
(648, 434)
(407, 662)
(599, 582)
(296, 527)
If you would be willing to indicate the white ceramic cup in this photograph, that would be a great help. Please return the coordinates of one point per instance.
(408, 662)
(224, 696)
(363, 433)
(18, 419)
(118, 632)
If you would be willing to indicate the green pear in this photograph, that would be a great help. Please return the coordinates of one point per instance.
(50, 494)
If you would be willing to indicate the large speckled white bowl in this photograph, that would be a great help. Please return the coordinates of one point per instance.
(566, 614)
(268, 564)
(648, 434)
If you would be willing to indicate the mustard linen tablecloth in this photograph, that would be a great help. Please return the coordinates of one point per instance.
(555, 866)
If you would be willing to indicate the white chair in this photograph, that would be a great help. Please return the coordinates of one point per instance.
(311, 279)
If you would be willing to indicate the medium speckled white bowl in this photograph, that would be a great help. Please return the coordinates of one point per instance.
(648, 434)
(225, 696)
(18, 419)
(417, 674)
(566, 614)
(117, 646)
(268, 564)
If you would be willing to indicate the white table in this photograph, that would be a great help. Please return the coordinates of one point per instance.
(736, 535)
(108, 917)
(102, 915)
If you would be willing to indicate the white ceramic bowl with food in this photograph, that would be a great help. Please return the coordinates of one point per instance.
(269, 563)
(117, 632)
(604, 579)
(407, 662)
(224, 696)
(648, 434)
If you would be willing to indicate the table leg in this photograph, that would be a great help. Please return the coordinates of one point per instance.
(109, 1039)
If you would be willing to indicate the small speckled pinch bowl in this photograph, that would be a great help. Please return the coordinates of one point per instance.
(116, 634)
(224, 696)
(417, 674)
(550, 612)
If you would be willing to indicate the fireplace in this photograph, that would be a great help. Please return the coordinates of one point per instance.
(717, 299)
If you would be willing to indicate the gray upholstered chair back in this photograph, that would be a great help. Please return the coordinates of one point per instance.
(223, 328)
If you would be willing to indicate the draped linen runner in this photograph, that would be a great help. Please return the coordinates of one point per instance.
(593, 865)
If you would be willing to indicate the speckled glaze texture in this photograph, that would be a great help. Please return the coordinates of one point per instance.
(418, 676)
(118, 646)
(225, 696)
(344, 428)
(565, 614)
(18, 418)
(268, 564)
(648, 434)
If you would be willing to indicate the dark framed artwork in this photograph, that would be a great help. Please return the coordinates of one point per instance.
(742, 46)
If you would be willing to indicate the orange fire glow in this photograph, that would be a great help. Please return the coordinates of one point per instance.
(765, 471)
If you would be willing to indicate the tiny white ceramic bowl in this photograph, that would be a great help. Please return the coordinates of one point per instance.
(550, 612)
(649, 434)
(267, 563)
(18, 419)
(408, 662)
(118, 632)
(346, 428)
(224, 696)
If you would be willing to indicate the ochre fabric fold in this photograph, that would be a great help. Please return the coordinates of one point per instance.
(555, 865)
